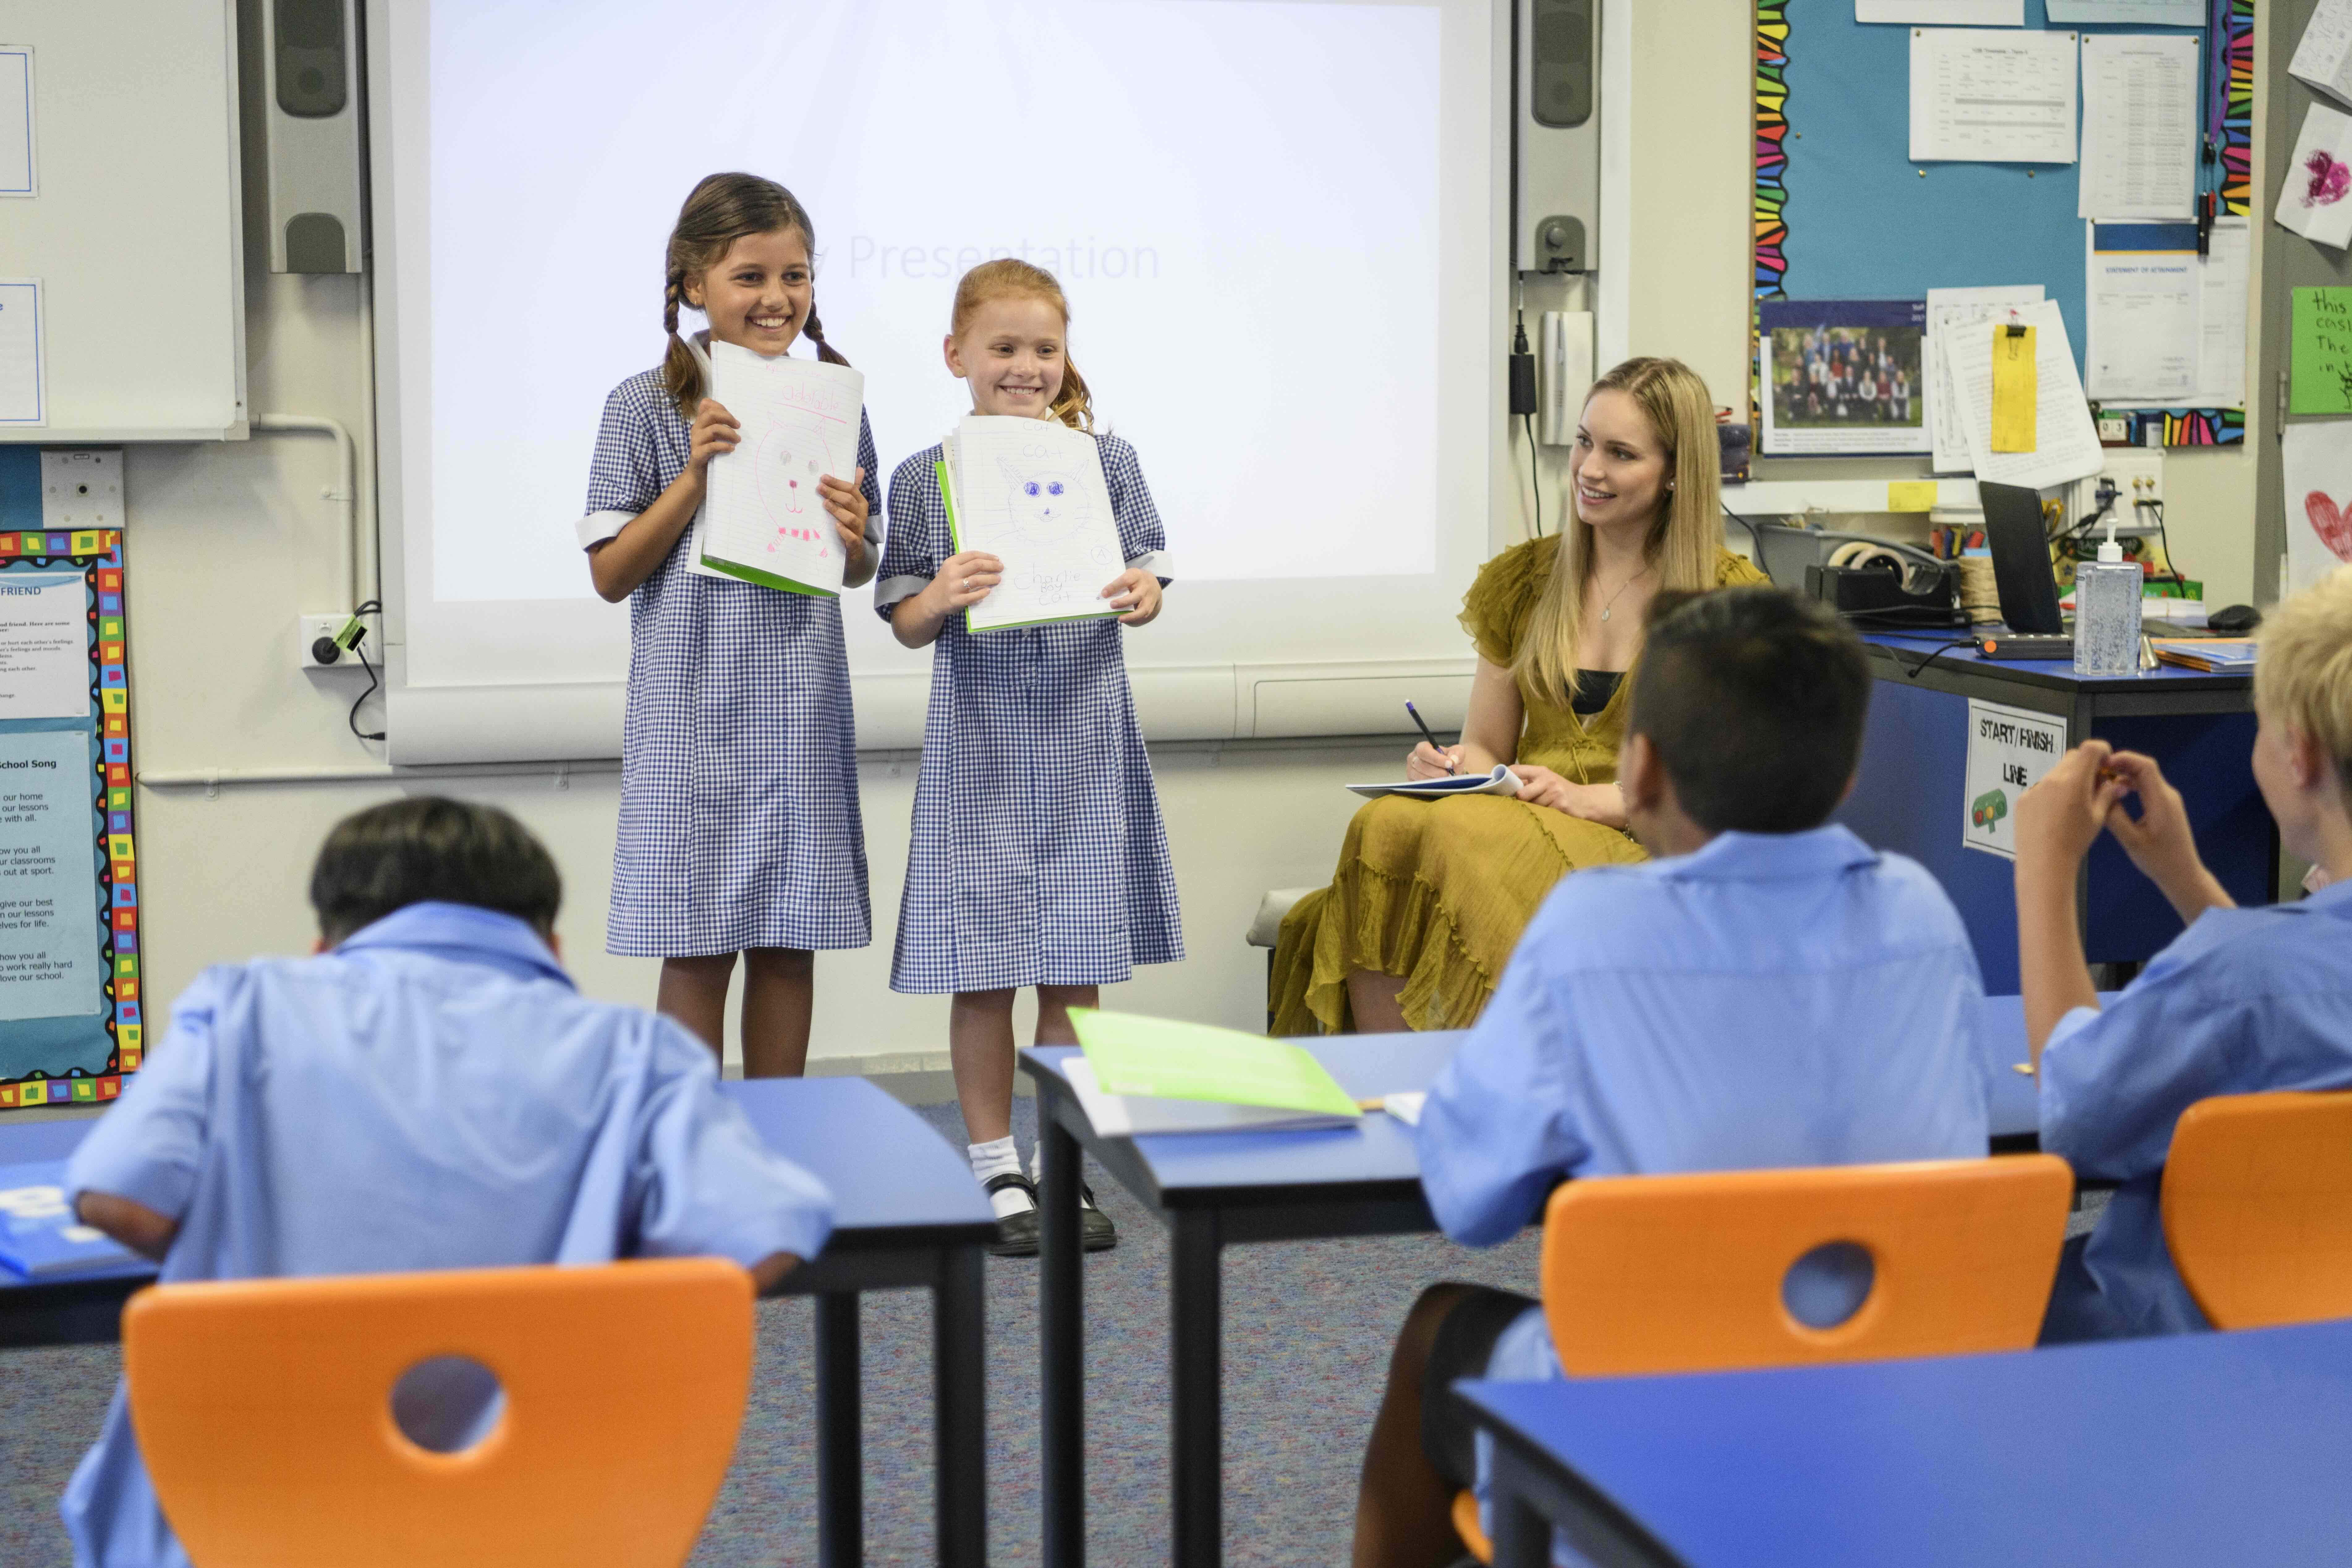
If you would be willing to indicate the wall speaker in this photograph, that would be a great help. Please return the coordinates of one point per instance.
(1556, 134)
(311, 76)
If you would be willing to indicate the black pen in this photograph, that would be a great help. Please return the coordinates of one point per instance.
(1419, 724)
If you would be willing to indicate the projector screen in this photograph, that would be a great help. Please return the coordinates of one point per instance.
(1276, 222)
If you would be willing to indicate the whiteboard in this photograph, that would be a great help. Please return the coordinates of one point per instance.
(137, 231)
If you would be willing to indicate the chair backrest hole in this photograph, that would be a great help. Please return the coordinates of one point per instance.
(1828, 1284)
(447, 1403)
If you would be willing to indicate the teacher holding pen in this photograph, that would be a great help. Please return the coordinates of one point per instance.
(1431, 896)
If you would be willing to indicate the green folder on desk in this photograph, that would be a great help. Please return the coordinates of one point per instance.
(1162, 1059)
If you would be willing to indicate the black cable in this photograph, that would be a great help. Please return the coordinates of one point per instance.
(1754, 545)
(1911, 670)
(1535, 482)
(373, 607)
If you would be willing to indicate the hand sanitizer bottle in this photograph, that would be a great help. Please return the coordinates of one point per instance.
(2106, 612)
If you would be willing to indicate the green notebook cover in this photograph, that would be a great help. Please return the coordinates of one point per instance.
(1167, 1060)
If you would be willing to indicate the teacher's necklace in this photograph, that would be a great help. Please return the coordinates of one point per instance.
(1620, 591)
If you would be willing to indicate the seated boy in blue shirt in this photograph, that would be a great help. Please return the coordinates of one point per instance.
(2242, 1001)
(1767, 992)
(427, 1092)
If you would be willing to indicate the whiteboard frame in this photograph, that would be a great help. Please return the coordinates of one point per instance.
(70, 91)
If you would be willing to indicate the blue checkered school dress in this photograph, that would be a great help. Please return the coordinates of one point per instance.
(739, 825)
(1038, 858)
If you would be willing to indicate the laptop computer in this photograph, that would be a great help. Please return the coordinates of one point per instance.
(2020, 560)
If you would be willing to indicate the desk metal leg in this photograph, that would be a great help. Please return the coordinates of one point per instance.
(1061, 1332)
(959, 1461)
(1194, 1266)
(1522, 1537)
(840, 1501)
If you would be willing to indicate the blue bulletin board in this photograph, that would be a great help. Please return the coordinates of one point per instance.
(1842, 213)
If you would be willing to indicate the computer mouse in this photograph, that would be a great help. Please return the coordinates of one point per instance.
(2234, 620)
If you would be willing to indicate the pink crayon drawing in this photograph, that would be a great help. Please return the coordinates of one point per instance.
(2331, 178)
(791, 460)
(2331, 523)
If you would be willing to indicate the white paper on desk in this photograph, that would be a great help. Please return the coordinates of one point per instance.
(2315, 200)
(2316, 463)
(1943, 13)
(2141, 310)
(764, 519)
(1992, 96)
(2323, 60)
(1031, 492)
(1948, 310)
(2067, 445)
(23, 384)
(19, 171)
(1140, 1115)
(2139, 126)
(2129, 13)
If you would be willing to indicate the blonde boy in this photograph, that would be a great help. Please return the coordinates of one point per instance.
(2244, 1000)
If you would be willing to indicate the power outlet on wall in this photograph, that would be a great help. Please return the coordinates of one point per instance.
(2137, 474)
(313, 627)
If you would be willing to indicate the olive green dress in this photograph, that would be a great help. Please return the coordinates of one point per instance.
(1436, 892)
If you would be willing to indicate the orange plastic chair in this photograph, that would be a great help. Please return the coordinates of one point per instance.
(263, 1410)
(1684, 1273)
(2258, 1208)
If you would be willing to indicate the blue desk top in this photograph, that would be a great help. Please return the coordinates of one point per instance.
(1380, 1149)
(1913, 646)
(889, 1169)
(2194, 1450)
(1377, 1149)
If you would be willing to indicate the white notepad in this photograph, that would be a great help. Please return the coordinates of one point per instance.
(764, 520)
(1135, 1115)
(1031, 492)
(1502, 781)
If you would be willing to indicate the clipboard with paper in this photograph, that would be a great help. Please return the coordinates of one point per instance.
(1031, 492)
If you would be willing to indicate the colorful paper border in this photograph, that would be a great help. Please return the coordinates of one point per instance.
(98, 555)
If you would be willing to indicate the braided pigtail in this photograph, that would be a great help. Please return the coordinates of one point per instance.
(680, 376)
(814, 330)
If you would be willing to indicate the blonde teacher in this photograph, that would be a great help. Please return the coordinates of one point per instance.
(1431, 895)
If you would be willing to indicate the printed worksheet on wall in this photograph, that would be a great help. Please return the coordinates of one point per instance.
(2142, 300)
(764, 520)
(2139, 126)
(1992, 96)
(2066, 446)
(1031, 492)
(19, 169)
(1948, 310)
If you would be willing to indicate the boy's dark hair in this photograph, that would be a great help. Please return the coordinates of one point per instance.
(1753, 699)
(431, 850)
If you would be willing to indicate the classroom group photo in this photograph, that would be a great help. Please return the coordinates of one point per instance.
(1678, 889)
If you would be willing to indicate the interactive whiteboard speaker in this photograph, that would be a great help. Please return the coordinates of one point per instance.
(311, 76)
(1556, 137)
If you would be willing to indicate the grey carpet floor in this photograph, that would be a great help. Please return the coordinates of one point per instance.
(1306, 1333)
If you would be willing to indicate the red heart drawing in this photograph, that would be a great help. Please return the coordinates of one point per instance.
(2333, 523)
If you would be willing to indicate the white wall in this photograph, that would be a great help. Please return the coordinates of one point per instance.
(229, 544)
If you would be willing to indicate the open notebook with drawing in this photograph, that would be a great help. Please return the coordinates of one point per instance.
(1031, 492)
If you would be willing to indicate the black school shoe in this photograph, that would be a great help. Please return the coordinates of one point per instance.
(1017, 1235)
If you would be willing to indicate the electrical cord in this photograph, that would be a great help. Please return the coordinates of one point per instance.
(1754, 545)
(373, 607)
(1535, 482)
(1911, 668)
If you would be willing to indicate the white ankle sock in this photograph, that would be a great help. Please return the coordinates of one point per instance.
(1000, 1158)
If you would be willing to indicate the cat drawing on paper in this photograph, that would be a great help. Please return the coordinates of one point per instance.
(1046, 504)
(791, 460)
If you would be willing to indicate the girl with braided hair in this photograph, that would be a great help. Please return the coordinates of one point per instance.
(740, 831)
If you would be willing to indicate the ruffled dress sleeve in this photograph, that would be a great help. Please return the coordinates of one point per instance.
(1494, 611)
(1733, 570)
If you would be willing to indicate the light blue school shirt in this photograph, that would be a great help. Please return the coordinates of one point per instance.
(2242, 1001)
(1769, 1000)
(432, 1094)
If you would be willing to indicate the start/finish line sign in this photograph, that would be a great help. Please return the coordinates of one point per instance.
(2009, 750)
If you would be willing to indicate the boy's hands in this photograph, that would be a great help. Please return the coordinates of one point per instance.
(2060, 818)
(1136, 591)
(713, 433)
(2158, 840)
